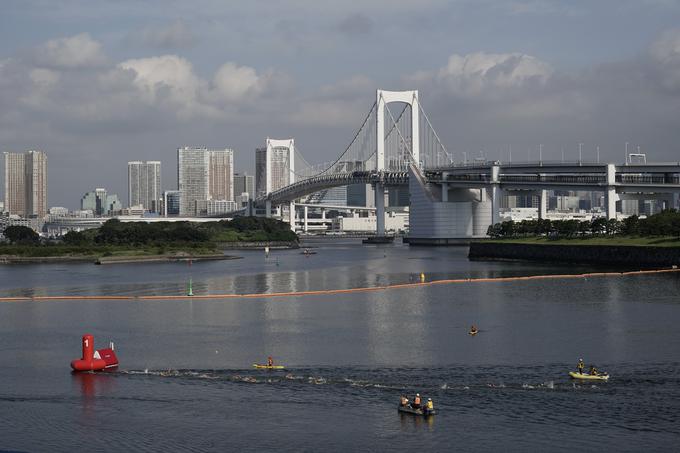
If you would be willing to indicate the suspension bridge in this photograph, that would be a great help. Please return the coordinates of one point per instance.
(397, 145)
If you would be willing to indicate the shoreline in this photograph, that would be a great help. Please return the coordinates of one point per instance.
(113, 259)
(640, 256)
(178, 255)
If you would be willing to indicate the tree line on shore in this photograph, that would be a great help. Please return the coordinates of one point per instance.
(116, 233)
(665, 223)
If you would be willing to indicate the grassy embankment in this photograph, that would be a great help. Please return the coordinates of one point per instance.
(163, 239)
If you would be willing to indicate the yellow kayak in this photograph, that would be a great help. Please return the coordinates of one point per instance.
(269, 367)
(473, 332)
(597, 377)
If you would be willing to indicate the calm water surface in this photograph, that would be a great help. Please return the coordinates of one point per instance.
(186, 380)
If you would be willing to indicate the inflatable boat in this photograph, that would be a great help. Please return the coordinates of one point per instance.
(591, 377)
(422, 411)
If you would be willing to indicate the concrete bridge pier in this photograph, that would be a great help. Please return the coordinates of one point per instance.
(380, 209)
(291, 215)
(610, 195)
(268, 208)
(542, 204)
(306, 216)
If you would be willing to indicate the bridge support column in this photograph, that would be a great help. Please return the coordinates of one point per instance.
(542, 204)
(291, 215)
(496, 194)
(610, 195)
(445, 192)
(305, 228)
(268, 208)
(380, 209)
(674, 199)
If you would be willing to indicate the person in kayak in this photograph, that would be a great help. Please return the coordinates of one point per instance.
(416, 401)
(270, 361)
(404, 401)
(473, 329)
(580, 366)
(430, 404)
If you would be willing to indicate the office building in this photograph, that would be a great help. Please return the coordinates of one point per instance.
(217, 207)
(144, 184)
(100, 202)
(334, 196)
(244, 183)
(360, 195)
(26, 183)
(171, 203)
(203, 174)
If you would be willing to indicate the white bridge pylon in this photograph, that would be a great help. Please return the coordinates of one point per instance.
(384, 97)
(278, 180)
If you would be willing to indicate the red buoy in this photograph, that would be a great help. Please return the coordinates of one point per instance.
(94, 360)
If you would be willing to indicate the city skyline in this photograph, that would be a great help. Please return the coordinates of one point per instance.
(98, 92)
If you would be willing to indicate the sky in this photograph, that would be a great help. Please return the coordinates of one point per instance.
(96, 84)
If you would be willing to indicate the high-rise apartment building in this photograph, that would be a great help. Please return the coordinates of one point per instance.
(244, 183)
(144, 184)
(273, 165)
(26, 183)
(221, 175)
(203, 174)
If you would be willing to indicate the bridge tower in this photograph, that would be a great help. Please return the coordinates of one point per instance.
(278, 171)
(384, 97)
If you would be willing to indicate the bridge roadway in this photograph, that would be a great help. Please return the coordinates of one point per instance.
(636, 178)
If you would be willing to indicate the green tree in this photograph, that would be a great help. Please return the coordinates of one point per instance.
(630, 226)
(18, 234)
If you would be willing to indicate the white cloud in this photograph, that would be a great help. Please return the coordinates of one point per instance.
(667, 48)
(475, 74)
(79, 51)
(167, 75)
(43, 78)
(233, 82)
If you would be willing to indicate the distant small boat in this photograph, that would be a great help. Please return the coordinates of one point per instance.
(473, 332)
(268, 367)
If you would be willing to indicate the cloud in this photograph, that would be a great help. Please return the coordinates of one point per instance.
(176, 35)
(166, 75)
(356, 24)
(79, 51)
(665, 53)
(486, 74)
(342, 104)
(233, 82)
